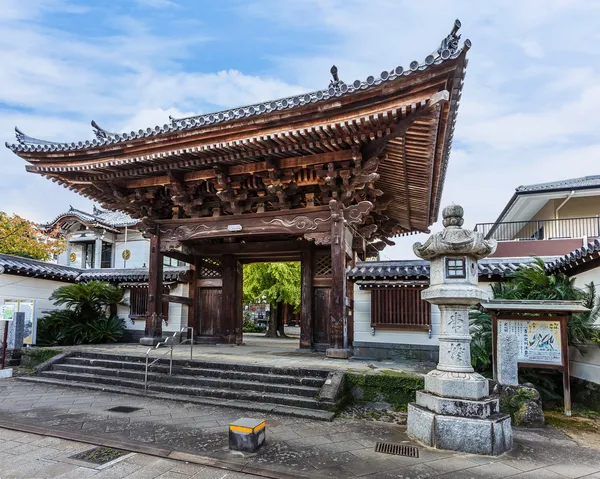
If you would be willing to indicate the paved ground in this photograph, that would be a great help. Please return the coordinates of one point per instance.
(26, 456)
(295, 447)
(262, 351)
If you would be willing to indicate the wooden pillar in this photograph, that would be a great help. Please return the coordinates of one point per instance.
(306, 311)
(229, 299)
(193, 295)
(338, 282)
(153, 332)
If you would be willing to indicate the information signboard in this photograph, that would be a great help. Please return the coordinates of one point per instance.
(540, 342)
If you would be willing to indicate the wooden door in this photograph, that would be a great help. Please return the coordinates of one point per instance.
(209, 311)
(322, 315)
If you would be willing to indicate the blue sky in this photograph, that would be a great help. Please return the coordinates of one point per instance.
(529, 111)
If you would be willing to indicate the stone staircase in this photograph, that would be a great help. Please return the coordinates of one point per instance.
(300, 392)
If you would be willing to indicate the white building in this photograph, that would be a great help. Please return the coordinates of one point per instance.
(104, 246)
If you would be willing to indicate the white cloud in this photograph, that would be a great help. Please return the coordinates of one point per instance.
(528, 112)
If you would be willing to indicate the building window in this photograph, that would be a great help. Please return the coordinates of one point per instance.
(399, 308)
(455, 268)
(170, 261)
(88, 255)
(138, 302)
(106, 260)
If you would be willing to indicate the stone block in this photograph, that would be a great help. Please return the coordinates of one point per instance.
(420, 424)
(247, 434)
(333, 387)
(458, 407)
(491, 436)
(150, 341)
(457, 385)
(338, 353)
(6, 373)
(507, 364)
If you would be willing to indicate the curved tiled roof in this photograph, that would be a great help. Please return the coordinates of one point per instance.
(32, 267)
(40, 269)
(419, 269)
(592, 181)
(112, 219)
(577, 257)
(448, 50)
(136, 275)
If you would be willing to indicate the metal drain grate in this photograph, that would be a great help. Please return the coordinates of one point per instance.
(99, 455)
(125, 409)
(396, 449)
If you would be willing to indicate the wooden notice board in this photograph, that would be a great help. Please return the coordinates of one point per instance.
(543, 343)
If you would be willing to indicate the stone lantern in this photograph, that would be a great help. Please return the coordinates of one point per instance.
(455, 411)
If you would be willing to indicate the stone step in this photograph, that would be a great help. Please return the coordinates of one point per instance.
(231, 374)
(242, 395)
(283, 410)
(202, 364)
(179, 377)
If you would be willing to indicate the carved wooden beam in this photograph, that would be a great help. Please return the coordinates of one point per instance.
(295, 222)
(250, 168)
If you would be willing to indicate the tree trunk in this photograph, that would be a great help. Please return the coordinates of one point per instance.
(272, 328)
(281, 313)
(276, 322)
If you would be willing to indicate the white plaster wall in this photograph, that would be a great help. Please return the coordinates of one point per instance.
(178, 313)
(586, 366)
(139, 247)
(14, 287)
(362, 325)
(587, 277)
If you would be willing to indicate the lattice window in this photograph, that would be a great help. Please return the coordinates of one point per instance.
(210, 268)
(323, 266)
(138, 302)
(399, 308)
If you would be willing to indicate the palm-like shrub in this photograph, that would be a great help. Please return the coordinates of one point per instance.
(90, 316)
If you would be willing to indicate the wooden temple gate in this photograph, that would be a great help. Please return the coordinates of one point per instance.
(323, 178)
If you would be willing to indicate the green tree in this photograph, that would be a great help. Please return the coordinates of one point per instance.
(90, 315)
(276, 284)
(21, 237)
(534, 281)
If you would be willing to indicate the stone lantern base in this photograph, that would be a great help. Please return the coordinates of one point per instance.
(461, 424)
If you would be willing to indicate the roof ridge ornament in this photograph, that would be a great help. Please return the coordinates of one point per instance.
(448, 49)
(335, 83)
(24, 139)
(101, 133)
(448, 46)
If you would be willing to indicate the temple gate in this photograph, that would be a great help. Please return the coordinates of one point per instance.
(322, 178)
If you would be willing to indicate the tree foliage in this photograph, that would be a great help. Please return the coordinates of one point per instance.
(276, 284)
(21, 237)
(272, 283)
(90, 315)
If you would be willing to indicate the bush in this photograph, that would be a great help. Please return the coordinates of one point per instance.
(65, 328)
(90, 317)
(250, 326)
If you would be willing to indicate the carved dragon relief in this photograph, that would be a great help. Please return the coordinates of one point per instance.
(300, 223)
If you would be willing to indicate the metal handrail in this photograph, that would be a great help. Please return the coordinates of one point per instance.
(170, 350)
(578, 227)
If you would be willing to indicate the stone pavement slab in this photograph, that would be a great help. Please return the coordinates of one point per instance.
(295, 447)
(27, 456)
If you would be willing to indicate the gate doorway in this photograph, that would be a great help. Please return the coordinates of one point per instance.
(272, 302)
(219, 309)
